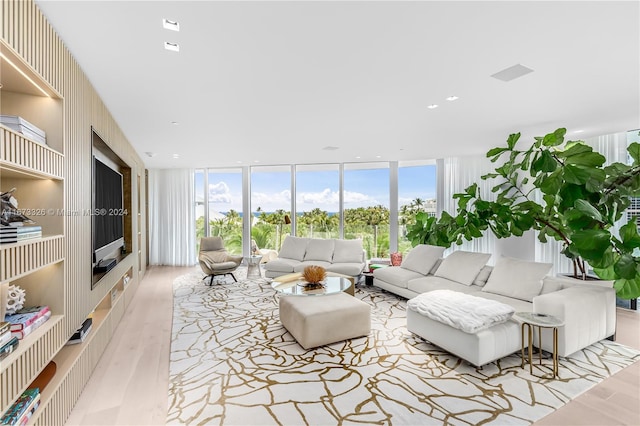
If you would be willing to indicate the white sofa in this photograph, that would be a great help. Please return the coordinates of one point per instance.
(345, 257)
(588, 310)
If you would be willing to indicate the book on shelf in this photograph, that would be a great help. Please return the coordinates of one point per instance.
(25, 316)
(18, 409)
(20, 125)
(4, 326)
(21, 334)
(9, 347)
(19, 229)
(13, 234)
(5, 336)
(30, 410)
(82, 332)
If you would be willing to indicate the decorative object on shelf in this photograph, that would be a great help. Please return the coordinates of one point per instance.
(566, 192)
(15, 299)
(314, 275)
(396, 259)
(10, 216)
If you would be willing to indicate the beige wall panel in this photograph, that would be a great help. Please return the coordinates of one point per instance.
(26, 30)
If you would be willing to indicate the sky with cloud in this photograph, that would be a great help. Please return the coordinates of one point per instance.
(316, 189)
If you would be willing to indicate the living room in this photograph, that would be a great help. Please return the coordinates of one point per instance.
(309, 113)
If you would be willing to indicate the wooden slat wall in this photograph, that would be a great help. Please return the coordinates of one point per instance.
(25, 29)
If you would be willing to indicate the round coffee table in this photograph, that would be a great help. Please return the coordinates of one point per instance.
(332, 285)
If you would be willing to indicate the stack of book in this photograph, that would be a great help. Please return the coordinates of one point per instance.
(7, 342)
(21, 125)
(26, 320)
(14, 234)
(22, 410)
(82, 332)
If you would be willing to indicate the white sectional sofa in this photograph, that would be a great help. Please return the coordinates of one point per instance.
(588, 310)
(345, 257)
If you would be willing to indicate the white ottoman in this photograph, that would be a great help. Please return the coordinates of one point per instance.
(319, 320)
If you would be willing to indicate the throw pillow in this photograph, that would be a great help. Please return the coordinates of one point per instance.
(483, 276)
(516, 278)
(348, 251)
(293, 248)
(462, 266)
(421, 258)
(318, 249)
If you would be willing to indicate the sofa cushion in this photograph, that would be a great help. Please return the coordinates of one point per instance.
(421, 258)
(462, 266)
(517, 278)
(281, 265)
(301, 265)
(517, 304)
(430, 283)
(396, 275)
(318, 249)
(348, 251)
(293, 248)
(346, 268)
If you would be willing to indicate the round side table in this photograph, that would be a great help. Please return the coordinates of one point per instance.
(529, 320)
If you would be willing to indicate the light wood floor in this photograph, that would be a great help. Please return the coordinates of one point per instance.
(130, 383)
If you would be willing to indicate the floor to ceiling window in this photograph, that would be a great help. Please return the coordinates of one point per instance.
(218, 195)
(416, 192)
(318, 201)
(224, 198)
(366, 206)
(270, 205)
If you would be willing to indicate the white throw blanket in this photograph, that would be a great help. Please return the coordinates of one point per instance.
(462, 311)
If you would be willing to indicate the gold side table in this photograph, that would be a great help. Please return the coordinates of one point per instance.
(253, 266)
(529, 320)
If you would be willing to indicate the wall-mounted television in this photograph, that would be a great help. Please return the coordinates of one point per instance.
(107, 216)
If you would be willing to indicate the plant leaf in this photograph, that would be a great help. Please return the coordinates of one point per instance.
(588, 210)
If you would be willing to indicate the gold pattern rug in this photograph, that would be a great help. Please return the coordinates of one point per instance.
(233, 363)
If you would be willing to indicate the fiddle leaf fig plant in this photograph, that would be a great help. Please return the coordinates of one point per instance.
(562, 189)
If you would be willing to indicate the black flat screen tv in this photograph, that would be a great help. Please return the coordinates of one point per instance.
(107, 212)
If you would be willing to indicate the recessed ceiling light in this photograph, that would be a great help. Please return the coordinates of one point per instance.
(432, 106)
(176, 155)
(358, 157)
(452, 98)
(378, 156)
(239, 162)
(512, 73)
(151, 154)
(256, 161)
(171, 25)
(175, 123)
(578, 131)
(174, 47)
(330, 148)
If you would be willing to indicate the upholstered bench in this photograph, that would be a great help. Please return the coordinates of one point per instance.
(320, 320)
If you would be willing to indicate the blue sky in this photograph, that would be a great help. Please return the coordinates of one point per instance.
(317, 189)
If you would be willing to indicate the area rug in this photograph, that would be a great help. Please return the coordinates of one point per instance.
(233, 363)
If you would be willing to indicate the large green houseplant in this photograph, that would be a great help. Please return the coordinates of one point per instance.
(561, 189)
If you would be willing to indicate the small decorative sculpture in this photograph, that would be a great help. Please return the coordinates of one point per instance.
(314, 275)
(15, 299)
(9, 212)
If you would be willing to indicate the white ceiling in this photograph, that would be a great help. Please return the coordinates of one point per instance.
(276, 82)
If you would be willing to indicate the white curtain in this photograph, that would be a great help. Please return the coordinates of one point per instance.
(457, 174)
(614, 148)
(172, 233)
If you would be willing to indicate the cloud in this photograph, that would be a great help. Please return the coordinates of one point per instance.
(325, 197)
(279, 200)
(219, 193)
(359, 198)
